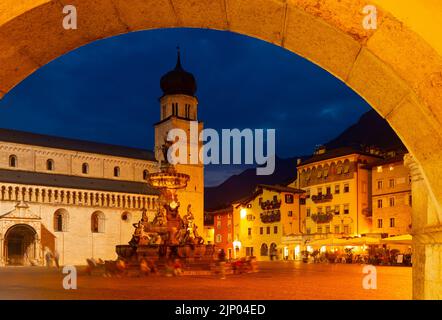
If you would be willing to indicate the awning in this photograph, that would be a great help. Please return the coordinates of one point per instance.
(403, 239)
(327, 242)
(363, 241)
(337, 242)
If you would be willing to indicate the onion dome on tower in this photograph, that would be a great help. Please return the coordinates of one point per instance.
(178, 81)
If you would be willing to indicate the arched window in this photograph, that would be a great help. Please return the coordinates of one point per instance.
(116, 171)
(13, 161)
(145, 174)
(50, 164)
(97, 222)
(264, 250)
(60, 220)
(85, 168)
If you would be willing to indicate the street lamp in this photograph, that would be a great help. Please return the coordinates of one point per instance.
(243, 213)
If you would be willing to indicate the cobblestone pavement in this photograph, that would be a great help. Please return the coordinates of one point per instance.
(275, 280)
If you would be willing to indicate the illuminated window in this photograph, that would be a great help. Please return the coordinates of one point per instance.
(379, 169)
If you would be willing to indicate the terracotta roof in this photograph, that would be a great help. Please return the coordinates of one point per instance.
(22, 137)
(75, 182)
(279, 188)
(335, 153)
(397, 158)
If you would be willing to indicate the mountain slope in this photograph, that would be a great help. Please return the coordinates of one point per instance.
(371, 129)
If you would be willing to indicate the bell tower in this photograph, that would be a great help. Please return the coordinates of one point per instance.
(178, 109)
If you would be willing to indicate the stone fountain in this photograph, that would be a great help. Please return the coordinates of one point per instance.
(169, 235)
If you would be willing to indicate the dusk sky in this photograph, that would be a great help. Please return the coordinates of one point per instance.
(108, 91)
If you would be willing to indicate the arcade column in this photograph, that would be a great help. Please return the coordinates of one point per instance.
(427, 237)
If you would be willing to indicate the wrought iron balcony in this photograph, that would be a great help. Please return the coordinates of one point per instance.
(270, 216)
(322, 217)
(322, 198)
(270, 205)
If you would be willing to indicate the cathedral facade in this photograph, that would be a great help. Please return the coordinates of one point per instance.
(80, 199)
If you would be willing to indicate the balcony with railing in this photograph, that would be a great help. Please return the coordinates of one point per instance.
(270, 204)
(270, 216)
(322, 217)
(319, 198)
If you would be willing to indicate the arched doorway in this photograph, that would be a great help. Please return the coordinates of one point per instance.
(20, 245)
(264, 250)
(273, 251)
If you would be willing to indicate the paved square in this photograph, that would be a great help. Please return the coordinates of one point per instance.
(275, 280)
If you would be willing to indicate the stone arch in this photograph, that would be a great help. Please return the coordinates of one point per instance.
(20, 245)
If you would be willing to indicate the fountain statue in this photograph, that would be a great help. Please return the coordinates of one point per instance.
(169, 235)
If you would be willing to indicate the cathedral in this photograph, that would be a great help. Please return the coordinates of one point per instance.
(80, 199)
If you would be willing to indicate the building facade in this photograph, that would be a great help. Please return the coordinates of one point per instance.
(267, 224)
(391, 197)
(80, 198)
(337, 185)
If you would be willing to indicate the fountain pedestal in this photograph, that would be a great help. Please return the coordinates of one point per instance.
(169, 235)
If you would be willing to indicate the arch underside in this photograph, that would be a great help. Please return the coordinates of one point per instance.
(392, 67)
